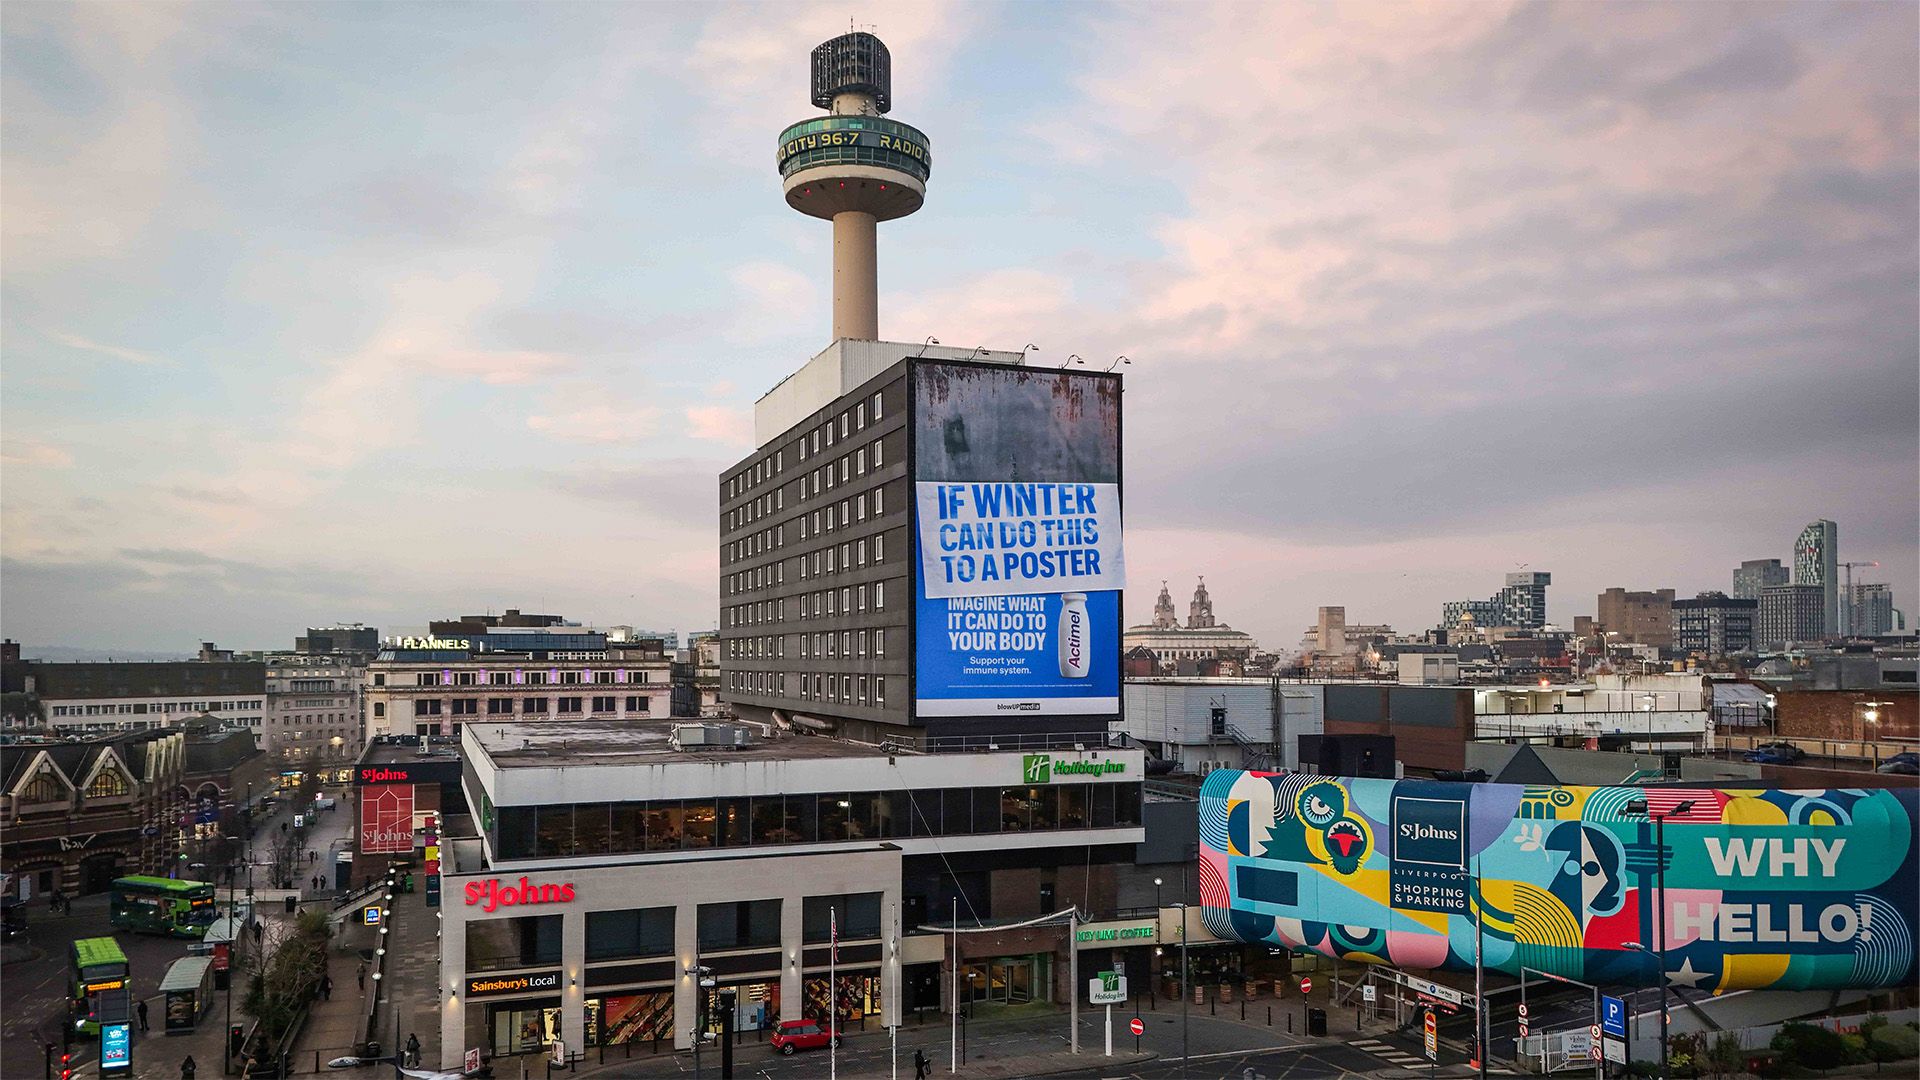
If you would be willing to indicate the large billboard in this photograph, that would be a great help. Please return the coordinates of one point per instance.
(386, 819)
(1017, 541)
(1765, 888)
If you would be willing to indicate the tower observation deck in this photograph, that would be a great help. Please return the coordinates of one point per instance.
(855, 168)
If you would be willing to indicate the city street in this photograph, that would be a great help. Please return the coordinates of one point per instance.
(36, 985)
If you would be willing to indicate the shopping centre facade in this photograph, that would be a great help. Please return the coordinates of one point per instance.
(618, 865)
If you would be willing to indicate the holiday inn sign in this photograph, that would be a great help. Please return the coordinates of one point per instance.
(1041, 768)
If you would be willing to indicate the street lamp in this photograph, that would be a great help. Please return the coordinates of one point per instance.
(1186, 995)
(1640, 808)
(1156, 895)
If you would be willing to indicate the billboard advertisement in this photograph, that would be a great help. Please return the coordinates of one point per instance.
(1765, 889)
(386, 819)
(1017, 541)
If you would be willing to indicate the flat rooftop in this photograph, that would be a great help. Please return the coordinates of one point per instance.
(545, 744)
(408, 752)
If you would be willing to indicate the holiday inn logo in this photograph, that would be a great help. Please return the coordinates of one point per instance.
(1041, 768)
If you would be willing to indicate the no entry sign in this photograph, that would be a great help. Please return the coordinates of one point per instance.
(1306, 985)
(1136, 1026)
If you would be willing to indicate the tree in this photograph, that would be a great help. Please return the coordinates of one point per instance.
(22, 709)
(292, 965)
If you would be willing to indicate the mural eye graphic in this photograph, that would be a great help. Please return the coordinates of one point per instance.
(1592, 869)
(1572, 866)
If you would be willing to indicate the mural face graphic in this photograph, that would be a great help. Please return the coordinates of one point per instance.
(1765, 888)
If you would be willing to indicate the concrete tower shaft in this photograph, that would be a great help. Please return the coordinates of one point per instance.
(856, 168)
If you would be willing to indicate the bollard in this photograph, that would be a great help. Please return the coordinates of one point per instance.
(1269, 1016)
(1243, 1006)
(1211, 1002)
(1289, 1023)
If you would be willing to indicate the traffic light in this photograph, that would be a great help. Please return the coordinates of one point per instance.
(66, 1067)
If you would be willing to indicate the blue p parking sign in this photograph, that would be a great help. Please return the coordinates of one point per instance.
(1613, 1017)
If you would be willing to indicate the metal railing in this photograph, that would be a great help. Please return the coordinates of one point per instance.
(1039, 740)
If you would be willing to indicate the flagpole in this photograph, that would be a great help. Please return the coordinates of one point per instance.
(1479, 974)
(833, 992)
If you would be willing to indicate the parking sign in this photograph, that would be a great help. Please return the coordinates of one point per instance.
(1613, 1017)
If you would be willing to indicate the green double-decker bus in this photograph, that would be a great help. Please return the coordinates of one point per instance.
(96, 966)
(155, 905)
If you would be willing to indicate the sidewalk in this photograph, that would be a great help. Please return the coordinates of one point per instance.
(409, 988)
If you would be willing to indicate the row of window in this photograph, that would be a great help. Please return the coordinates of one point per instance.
(810, 444)
(608, 703)
(46, 787)
(141, 708)
(567, 830)
(827, 603)
(842, 515)
(639, 933)
(519, 678)
(848, 555)
(843, 689)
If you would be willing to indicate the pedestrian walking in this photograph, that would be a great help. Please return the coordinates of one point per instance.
(141, 1010)
(363, 974)
(326, 988)
(187, 1067)
(413, 1049)
(920, 1065)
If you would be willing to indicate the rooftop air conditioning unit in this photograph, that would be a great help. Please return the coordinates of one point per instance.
(708, 737)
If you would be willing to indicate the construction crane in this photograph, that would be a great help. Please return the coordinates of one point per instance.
(1849, 625)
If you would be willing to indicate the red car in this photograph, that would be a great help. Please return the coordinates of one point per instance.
(794, 1035)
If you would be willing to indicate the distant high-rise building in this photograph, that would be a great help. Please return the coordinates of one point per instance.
(1870, 609)
(1787, 615)
(1816, 561)
(1644, 618)
(1522, 603)
(1713, 624)
(339, 639)
(1756, 574)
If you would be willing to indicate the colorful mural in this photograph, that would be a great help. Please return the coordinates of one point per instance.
(1765, 889)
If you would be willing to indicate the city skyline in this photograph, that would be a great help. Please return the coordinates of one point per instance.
(309, 318)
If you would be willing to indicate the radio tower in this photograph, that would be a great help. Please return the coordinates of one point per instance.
(855, 168)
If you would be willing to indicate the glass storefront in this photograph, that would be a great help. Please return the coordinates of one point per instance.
(523, 1027)
(1007, 980)
(756, 1006)
(859, 997)
(636, 1016)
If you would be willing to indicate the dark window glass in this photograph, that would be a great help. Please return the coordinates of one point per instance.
(699, 823)
(618, 935)
(858, 915)
(527, 941)
(835, 809)
(1126, 804)
(536, 705)
(555, 835)
(733, 826)
(863, 818)
(1101, 798)
(747, 924)
(956, 811)
(629, 827)
(517, 828)
(800, 818)
(986, 810)
(1046, 807)
(664, 826)
(769, 821)
(1073, 806)
(923, 812)
(1015, 813)
(590, 829)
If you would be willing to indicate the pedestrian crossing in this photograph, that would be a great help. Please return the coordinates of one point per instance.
(1408, 1060)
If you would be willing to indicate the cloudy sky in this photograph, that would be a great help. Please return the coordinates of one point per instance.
(380, 312)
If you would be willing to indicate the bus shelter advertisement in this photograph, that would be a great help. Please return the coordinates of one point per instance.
(1018, 538)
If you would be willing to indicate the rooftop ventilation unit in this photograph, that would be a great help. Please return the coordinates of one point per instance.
(708, 737)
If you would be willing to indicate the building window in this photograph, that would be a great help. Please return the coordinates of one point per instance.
(499, 706)
(857, 916)
(108, 784)
(880, 682)
(876, 405)
(526, 941)
(570, 704)
(466, 706)
(630, 933)
(743, 924)
(427, 707)
(379, 679)
(638, 704)
(603, 705)
(379, 709)
(534, 705)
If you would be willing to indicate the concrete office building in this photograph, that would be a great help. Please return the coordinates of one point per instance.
(1713, 624)
(613, 862)
(1816, 561)
(431, 686)
(90, 697)
(1644, 618)
(1870, 610)
(1222, 723)
(1756, 574)
(313, 713)
(1788, 615)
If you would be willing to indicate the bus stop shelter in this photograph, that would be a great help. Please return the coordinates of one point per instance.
(220, 940)
(187, 991)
